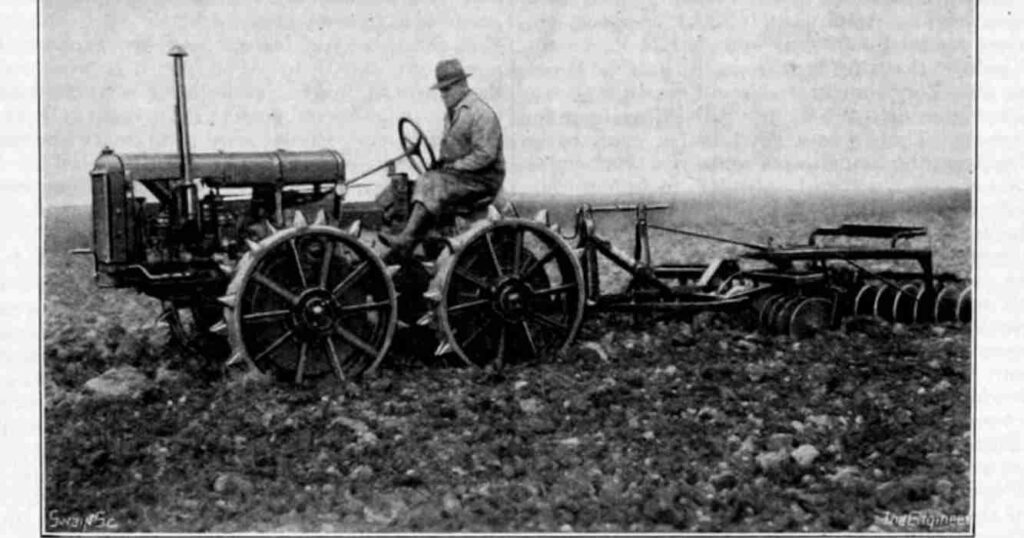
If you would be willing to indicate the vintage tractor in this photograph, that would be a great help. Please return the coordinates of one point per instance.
(261, 248)
(258, 259)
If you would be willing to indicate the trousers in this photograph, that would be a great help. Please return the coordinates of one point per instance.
(444, 192)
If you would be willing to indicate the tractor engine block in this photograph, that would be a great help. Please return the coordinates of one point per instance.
(143, 238)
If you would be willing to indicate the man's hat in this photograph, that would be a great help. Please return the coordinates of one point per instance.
(449, 72)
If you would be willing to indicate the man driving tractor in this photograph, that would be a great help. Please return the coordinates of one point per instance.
(470, 169)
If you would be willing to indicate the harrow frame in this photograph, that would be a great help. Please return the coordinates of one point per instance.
(818, 269)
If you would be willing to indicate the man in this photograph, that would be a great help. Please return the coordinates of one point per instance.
(470, 169)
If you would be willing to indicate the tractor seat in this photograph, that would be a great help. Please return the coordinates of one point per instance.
(461, 217)
(476, 210)
(452, 224)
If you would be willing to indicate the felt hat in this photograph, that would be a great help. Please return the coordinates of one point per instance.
(448, 72)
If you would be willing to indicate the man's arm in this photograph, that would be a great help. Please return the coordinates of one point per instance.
(485, 137)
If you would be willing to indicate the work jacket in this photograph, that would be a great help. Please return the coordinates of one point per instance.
(472, 145)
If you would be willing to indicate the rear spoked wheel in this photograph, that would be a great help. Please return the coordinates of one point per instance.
(512, 292)
(311, 302)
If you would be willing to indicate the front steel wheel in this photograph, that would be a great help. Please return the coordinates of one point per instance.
(311, 301)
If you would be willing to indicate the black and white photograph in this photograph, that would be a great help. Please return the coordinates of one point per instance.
(335, 267)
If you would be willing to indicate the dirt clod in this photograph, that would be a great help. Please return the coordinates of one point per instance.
(804, 455)
(120, 382)
(770, 461)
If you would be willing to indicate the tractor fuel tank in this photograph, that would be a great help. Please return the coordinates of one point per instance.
(235, 169)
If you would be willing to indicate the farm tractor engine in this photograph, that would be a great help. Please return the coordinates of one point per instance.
(204, 212)
(258, 259)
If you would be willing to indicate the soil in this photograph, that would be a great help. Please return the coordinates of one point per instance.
(666, 429)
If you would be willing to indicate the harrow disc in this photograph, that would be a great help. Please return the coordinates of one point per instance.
(809, 316)
(885, 302)
(924, 305)
(946, 303)
(766, 310)
(311, 301)
(963, 305)
(512, 289)
(864, 302)
(905, 302)
(782, 312)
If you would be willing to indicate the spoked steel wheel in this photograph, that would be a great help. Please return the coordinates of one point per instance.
(311, 301)
(513, 290)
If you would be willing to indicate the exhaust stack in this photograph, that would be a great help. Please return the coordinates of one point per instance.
(185, 207)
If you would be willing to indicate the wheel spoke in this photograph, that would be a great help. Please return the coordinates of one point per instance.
(335, 361)
(494, 255)
(303, 349)
(471, 278)
(472, 336)
(538, 264)
(274, 345)
(548, 322)
(517, 251)
(276, 288)
(468, 305)
(529, 337)
(350, 279)
(298, 262)
(363, 307)
(555, 290)
(269, 315)
(326, 264)
(355, 340)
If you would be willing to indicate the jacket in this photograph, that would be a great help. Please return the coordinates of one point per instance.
(472, 141)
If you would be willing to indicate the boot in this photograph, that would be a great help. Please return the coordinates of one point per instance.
(416, 227)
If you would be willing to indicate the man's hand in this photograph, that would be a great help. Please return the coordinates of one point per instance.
(443, 165)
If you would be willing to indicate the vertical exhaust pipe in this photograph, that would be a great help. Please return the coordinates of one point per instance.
(185, 207)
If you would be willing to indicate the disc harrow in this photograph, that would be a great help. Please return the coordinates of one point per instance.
(913, 302)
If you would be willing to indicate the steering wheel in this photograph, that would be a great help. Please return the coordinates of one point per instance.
(412, 146)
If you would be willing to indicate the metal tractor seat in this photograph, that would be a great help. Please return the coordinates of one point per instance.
(454, 223)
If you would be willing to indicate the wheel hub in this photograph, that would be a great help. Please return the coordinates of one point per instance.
(514, 298)
(316, 311)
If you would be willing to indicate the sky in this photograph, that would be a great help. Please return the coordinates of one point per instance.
(594, 96)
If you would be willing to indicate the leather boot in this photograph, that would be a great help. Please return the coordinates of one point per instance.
(416, 227)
